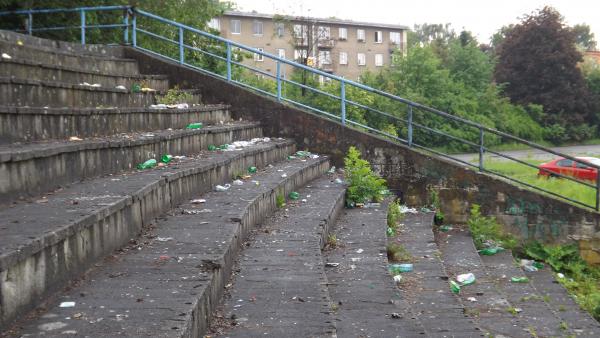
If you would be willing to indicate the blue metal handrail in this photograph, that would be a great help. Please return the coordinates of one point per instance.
(131, 29)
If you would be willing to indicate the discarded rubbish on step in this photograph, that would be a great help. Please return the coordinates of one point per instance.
(404, 210)
(294, 195)
(195, 212)
(560, 275)
(397, 278)
(223, 187)
(284, 175)
(519, 279)
(164, 239)
(291, 157)
(166, 158)
(425, 209)
(490, 251)
(256, 182)
(198, 201)
(151, 163)
(472, 299)
(159, 106)
(147, 135)
(360, 251)
(121, 87)
(332, 265)
(74, 138)
(394, 269)
(95, 85)
(212, 147)
(454, 287)
(147, 90)
(252, 170)
(466, 279)
(301, 153)
(6, 56)
(238, 182)
(136, 88)
(390, 232)
(406, 267)
(67, 304)
(372, 205)
(331, 170)
(195, 125)
(224, 146)
(246, 177)
(178, 106)
(528, 265)
(339, 181)
(446, 228)
(19, 42)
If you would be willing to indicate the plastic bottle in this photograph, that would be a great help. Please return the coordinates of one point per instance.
(212, 147)
(166, 158)
(294, 195)
(151, 163)
(252, 170)
(196, 125)
(136, 88)
(519, 280)
(490, 251)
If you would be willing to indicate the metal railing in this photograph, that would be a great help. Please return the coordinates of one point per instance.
(226, 53)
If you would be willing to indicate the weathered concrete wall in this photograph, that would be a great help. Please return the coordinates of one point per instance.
(525, 213)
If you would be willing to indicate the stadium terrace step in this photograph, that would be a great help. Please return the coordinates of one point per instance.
(543, 320)
(25, 124)
(426, 288)
(30, 169)
(168, 282)
(280, 288)
(46, 243)
(35, 93)
(60, 56)
(27, 69)
(367, 301)
(491, 307)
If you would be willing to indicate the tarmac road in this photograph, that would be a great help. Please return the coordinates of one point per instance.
(582, 150)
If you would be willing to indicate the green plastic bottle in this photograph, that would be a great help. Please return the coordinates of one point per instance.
(151, 163)
(252, 170)
(294, 195)
(136, 88)
(196, 125)
(212, 147)
(490, 251)
(454, 287)
(166, 158)
(519, 280)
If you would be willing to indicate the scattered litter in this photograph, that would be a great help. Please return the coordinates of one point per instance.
(135, 88)
(77, 315)
(148, 135)
(198, 201)
(519, 280)
(454, 287)
(391, 232)
(252, 170)
(19, 42)
(466, 279)
(396, 315)
(147, 90)
(425, 209)
(304, 200)
(238, 182)
(158, 106)
(67, 304)
(164, 239)
(332, 265)
(528, 265)
(149, 164)
(446, 228)
(394, 269)
(360, 251)
(406, 267)
(178, 106)
(472, 299)
(331, 170)
(518, 310)
(180, 157)
(95, 85)
(490, 251)
(75, 138)
(195, 212)
(246, 177)
(294, 195)
(560, 275)
(195, 125)
(373, 205)
(212, 147)
(121, 87)
(397, 278)
(223, 187)
(404, 210)
(355, 259)
(166, 158)
(6, 56)
(339, 181)
(283, 175)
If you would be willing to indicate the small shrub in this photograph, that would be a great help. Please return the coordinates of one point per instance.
(364, 185)
(484, 229)
(397, 253)
(394, 215)
(332, 241)
(175, 96)
(280, 201)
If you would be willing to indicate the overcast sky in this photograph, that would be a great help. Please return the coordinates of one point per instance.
(482, 17)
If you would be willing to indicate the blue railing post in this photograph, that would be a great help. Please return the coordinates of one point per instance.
(410, 125)
(82, 14)
(228, 61)
(181, 56)
(343, 100)
(278, 79)
(481, 149)
(30, 23)
(126, 30)
(134, 30)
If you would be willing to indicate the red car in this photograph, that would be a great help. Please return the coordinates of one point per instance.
(571, 168)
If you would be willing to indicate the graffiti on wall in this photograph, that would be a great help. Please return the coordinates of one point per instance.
(533, 222)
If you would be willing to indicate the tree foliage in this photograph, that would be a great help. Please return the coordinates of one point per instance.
(584, 37)
(538, 63)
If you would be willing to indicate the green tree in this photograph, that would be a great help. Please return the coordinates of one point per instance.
(584, 37)
(538, 62)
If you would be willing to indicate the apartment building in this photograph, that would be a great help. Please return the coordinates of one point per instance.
(342, 47)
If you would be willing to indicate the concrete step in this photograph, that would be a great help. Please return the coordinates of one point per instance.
(39, 69)
(25, 124)
(556, 296)
(168, 282)
(494, 308)
(543, 319)
(27, 170)
(67, 54)
(426, 288)
(46, 243)
(35, 93)
(368, 303)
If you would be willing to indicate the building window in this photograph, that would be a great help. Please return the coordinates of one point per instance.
(360, 35)
(279, 29)
(324, 57)
(301, 32)
(257, 27)
(324, 32)
(215, 24)
(259, 57)
(395, 38)
(378, 36)
(343, 33)
(300, 54)
(362, 59)
(378, 60)
(236, 27)
(343, 58)
(281, 53)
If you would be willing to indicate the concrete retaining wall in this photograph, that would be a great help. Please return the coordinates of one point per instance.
(31, 274)
(525, 213)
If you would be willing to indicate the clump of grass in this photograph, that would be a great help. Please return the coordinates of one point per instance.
(332, 241)
(512, 310)
(397, 253)
(175, 96)
(280, 201)
(394, 215)
(487, 229)
(563, 326)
